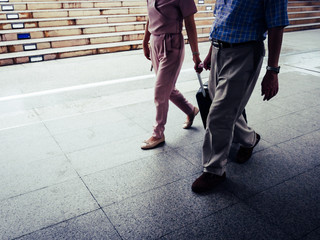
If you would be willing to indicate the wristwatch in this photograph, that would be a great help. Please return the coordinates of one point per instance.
(274, 69)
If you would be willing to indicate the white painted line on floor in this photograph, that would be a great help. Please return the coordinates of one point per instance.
(81, 87)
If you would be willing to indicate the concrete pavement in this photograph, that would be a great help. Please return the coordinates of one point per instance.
(71, 166)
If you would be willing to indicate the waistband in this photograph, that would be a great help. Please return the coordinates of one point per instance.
(166, 38)
(220, 44)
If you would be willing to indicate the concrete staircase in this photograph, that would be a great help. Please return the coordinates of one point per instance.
(40, 30)
(303, 15)
(47, 29)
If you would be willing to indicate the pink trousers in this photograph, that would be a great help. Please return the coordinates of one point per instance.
(167, 55)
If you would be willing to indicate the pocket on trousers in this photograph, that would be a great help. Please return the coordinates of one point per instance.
(176, 41)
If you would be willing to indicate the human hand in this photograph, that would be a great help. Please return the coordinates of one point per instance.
(146, 50)
(207, 62)
(269, 85)
(198, 65)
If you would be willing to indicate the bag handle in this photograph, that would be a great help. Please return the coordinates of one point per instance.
(201, 85)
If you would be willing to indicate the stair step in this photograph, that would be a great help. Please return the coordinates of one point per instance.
(58, 53)
(304, 20)
(20, 6)
(66, 21)
(24, 1)
(56, 13)
(304, 8)
(12, 34)
(301, 27)
(60, 5)
(70, 30)
(302, 3)
(65, 41)
(51, 13)
(303, 14)
(87, 20)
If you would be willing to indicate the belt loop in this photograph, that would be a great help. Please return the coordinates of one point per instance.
(167, 38)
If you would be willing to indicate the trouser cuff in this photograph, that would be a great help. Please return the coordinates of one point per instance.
(216, 171)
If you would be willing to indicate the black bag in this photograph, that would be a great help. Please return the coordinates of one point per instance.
(204, 101)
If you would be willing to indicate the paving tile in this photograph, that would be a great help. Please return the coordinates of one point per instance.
(20, 150)
(311, 98)
(18, 119)
(299, 123)
(53, 107)
(192, 152)
(138, 110)
(27, 144)
(93, 225)
(27, 132)
(179, 137)
(290, 103)
(8, 85)
(23, 177)
(314, 235)
(97, 135)
(265, 169)
(83, 121)
(146, 118)
(65, 108)
(175, 135)
(274, 132)
(116, 184)
(235, 222)
(292, 95)
(304, 149)
(312, 113)
(13, 106)
(292, 81)
(163, 210)
(42, 208)
(112, 154)
(176, 118)
(258, 112)
(143, 114)
(293, 205)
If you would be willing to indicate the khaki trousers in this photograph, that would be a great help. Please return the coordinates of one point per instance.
(234, 73)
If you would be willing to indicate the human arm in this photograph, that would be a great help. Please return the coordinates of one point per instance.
(145, 42)
(270, 85)
(193, 41)
(207, 60)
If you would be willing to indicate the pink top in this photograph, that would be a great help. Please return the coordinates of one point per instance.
(166, 16)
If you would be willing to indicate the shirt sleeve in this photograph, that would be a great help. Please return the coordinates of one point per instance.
(187, 7)
(276, 13)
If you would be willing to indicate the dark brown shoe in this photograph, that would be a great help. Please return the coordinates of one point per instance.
(244, 154)
(206, 182)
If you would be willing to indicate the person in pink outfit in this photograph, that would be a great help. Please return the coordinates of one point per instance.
(166, 52)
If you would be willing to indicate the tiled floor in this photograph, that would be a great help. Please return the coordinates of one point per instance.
(71, 166)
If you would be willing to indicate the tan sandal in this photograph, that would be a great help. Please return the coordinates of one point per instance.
(148, 144)
(189, 121)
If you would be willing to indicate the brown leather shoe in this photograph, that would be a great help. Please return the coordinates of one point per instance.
(206, 182)
(190, 119)
(244, 154)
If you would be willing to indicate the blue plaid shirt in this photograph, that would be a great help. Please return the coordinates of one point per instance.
(247, 20)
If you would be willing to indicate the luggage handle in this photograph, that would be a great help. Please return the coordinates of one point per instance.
(201, 85)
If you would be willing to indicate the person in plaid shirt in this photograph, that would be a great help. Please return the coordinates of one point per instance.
(235, 59)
